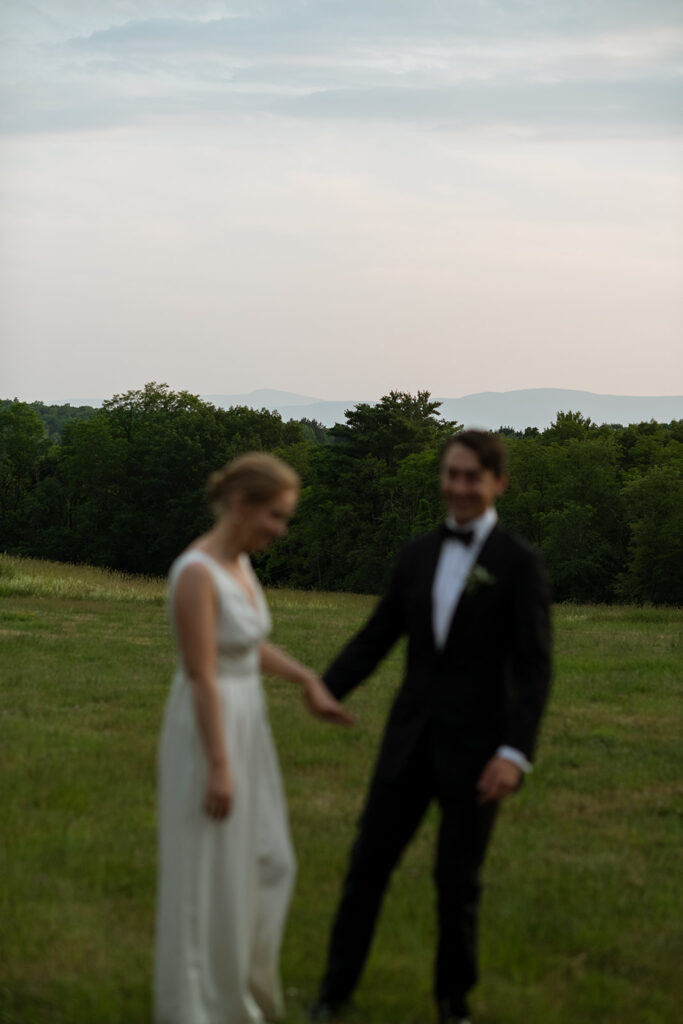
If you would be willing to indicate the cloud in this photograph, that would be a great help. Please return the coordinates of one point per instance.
(549, 64)
(614, 105)
(386, 19)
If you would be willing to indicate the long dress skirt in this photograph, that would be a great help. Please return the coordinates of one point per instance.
(223, 886)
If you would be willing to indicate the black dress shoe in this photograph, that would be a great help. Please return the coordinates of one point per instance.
(326, 1010)
(450, 1015)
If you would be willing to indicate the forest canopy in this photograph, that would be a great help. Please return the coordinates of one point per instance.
(123, 486)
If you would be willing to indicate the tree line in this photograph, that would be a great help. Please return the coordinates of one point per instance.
(123, 486)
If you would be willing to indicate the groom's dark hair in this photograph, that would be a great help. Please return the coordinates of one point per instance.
(486, 446)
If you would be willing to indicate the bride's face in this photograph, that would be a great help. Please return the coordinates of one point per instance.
(268, 522)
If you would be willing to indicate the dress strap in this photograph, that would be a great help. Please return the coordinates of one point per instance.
(187, 558)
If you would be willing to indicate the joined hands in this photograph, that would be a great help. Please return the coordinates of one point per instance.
(322, 704)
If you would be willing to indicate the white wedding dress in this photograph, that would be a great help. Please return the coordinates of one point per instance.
(223, 886)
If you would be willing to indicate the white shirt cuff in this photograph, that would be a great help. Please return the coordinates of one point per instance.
(517, 757)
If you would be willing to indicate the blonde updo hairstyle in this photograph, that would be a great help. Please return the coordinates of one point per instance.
(256, 476)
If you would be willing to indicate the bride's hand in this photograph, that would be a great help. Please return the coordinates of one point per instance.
(322, 704)
(219, 792)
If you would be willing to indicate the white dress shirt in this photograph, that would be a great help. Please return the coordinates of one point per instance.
(456, 561)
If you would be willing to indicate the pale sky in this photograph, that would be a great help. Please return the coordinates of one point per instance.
(340, 197)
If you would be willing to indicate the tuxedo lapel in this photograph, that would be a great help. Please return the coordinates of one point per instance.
(427, 571)
(489, 559)
(491, 553)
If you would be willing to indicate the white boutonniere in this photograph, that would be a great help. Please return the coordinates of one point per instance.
(479, 577)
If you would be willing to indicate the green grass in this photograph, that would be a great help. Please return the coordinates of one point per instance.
(582, 907)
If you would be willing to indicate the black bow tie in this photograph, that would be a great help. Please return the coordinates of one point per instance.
(464, 536)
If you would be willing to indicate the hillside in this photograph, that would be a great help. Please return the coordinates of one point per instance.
(534, 407)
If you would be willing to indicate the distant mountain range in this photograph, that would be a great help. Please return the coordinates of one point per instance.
(533, 407)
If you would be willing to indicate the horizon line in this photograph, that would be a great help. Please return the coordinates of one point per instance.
(315, 400)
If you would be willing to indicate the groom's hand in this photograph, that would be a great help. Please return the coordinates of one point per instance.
(499, 778)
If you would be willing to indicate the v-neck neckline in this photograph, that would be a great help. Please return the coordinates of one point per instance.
(254, 605)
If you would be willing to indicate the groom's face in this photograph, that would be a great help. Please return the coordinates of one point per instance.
(466, 486)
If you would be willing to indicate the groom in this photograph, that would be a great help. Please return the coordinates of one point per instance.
(474, 602)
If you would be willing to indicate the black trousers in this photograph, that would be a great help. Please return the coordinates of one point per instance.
(392, 813)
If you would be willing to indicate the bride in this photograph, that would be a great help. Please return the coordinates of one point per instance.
(226, 864)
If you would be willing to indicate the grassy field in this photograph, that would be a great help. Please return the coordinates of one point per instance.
(582, 910)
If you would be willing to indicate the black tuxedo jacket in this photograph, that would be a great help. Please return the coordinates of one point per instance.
(487, 686)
